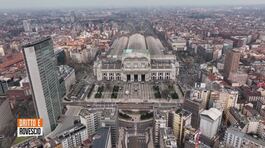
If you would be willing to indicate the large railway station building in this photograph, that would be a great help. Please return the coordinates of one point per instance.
(136, 58)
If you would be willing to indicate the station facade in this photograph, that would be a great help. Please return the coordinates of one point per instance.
(137, 61)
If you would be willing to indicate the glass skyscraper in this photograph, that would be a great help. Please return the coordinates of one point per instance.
(40, 62)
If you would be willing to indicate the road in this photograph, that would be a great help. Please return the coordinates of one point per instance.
(127, 105)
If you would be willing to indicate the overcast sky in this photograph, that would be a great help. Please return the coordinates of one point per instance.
(118, 3)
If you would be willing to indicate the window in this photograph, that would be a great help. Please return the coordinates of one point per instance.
(118, 76)
(111, 76)
(105, 76)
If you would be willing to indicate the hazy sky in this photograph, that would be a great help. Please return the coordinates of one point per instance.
(117, 3)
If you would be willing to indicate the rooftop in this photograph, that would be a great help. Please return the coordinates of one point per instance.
(37, 41)
(136, 43)
(236, 131)
(100, 139)
(84, 112)
(71, 131)
(183, 112)
(212, 113)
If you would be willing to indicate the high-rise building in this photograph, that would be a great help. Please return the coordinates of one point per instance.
(160, 121)
(91, 119)
(232, 59)
(27, 26)
(195, 107)
(179, 119)
(210, 122)
(40, 62)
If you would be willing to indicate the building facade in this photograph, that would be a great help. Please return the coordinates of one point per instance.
(91, 119)
(6, 115)
(232, 59)
(74, 136)
(40, 62)
(136, 58)
(160, 121)
(180, 118)
(235, 138)
(210, 122)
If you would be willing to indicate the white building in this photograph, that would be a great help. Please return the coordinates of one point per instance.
(74, 136)
(136, 58)
(2, 51)
(91, 119)
(178, 43)
(98, 117)
(210, 122)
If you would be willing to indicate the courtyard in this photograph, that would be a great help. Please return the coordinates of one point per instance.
(135, 90)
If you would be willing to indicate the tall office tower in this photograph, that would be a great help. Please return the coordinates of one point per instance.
(232, 59)
(41, 67)
(27, 26)
(179, 119)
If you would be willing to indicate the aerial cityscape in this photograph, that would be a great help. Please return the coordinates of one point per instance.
(142, 74)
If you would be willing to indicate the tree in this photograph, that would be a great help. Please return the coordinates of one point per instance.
(165, 93)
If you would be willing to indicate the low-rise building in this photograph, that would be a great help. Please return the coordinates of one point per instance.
(235, 138)
(167, 138)
(178, 43)
(73, 137)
